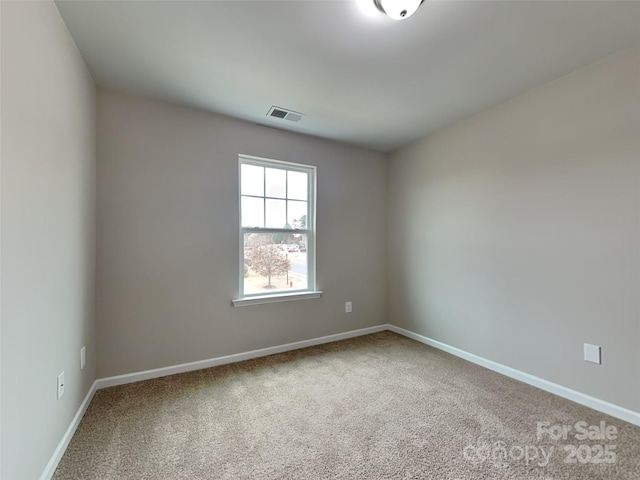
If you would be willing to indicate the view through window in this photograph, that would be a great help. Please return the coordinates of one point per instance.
(276, 227)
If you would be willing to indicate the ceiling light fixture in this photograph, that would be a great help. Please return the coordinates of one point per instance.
(398, 9)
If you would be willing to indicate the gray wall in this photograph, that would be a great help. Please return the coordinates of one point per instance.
(167, 248)
(515, 234)
(48, 191)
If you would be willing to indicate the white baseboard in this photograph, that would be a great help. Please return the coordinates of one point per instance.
(564, 392)
(50, 469)
(581, 398)
(238, 357)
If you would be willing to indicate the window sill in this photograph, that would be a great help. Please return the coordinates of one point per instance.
(276, 298)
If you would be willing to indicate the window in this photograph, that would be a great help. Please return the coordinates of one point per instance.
(277, 231)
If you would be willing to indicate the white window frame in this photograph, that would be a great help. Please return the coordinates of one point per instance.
(310, 231)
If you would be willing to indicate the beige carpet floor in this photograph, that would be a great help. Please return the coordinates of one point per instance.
(374, 407)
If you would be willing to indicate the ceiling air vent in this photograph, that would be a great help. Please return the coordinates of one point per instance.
(285, 114)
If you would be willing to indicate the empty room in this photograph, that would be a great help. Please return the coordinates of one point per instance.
(318, 239)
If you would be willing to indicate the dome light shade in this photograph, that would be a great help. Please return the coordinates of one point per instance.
(398, 9)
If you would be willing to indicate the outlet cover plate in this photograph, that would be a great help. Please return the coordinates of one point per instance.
(592, 353)
(83, 357)
(60, 385)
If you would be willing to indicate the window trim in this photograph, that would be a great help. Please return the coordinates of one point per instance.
(276, 298)
(283, 295)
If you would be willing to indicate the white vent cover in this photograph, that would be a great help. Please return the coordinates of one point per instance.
(283, 113)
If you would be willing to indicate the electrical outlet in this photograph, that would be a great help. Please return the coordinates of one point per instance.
(60, 385)
(592, 353)
(83, 357)
(348, 308)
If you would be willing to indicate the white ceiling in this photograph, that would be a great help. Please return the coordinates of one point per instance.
(359, 77)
